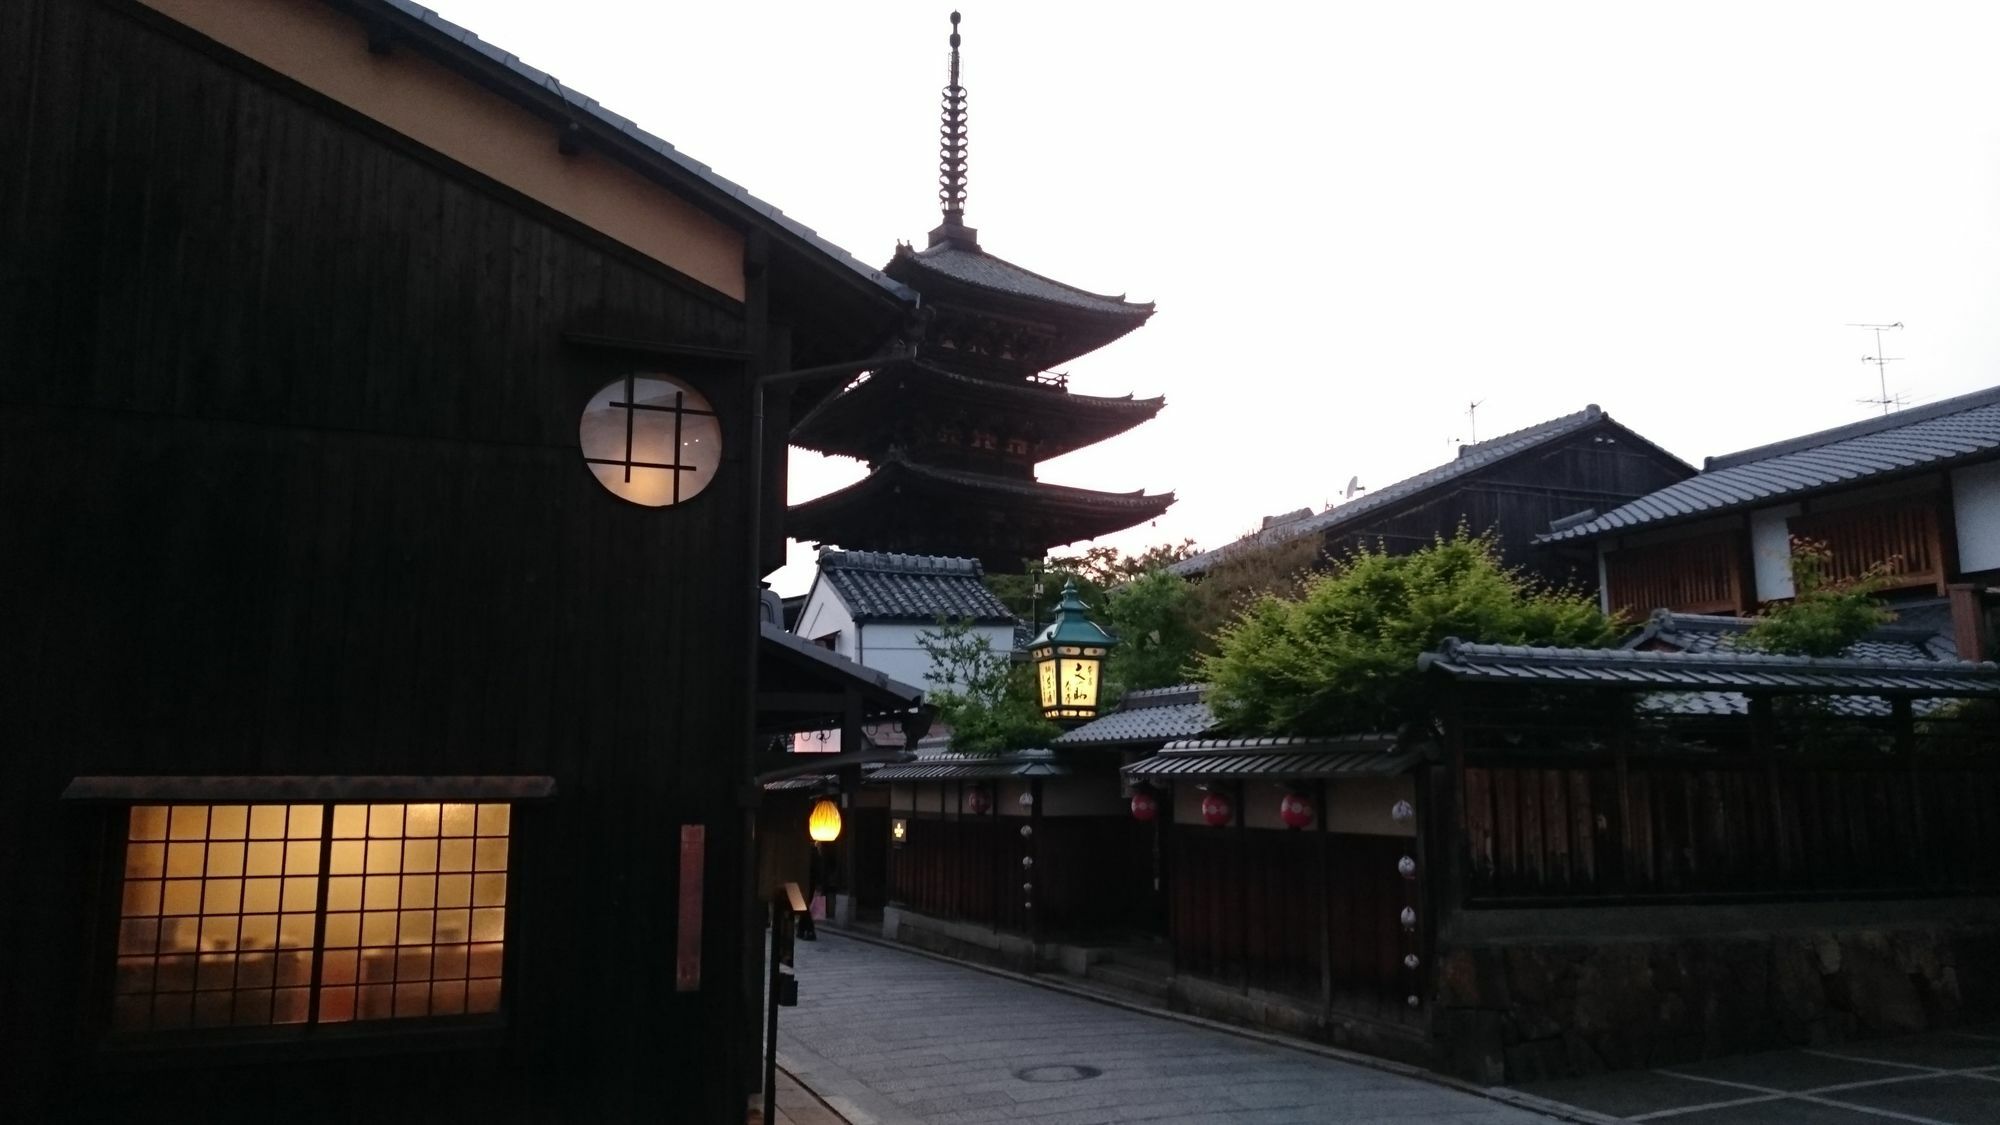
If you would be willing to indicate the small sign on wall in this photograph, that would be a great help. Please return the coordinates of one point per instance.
(687, 954)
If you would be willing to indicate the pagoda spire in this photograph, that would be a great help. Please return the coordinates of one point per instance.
(951, 159)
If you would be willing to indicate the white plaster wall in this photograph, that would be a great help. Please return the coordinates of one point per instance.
(824, 613)
(1771, 549)
(891, 647)
(1975, 501)
(1362, 805)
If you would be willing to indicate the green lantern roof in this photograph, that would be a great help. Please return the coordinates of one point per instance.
(1073, 625)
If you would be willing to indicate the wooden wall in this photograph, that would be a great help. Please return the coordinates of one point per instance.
(290, 483)
(1315, 915)
(1666, 829)
(1517, 498)
(1092, 873)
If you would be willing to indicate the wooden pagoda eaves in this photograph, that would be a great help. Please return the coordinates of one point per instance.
(987, 308)
(893, 405)
(926, 509)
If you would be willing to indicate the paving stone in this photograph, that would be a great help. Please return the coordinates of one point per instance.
(1786, 1070)
(1960, 1100)
(1943, 1050)
(1630, 1093)
(909, 1038)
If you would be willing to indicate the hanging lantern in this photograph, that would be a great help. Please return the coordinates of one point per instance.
(1027, 831)
(1215, 809)
(1027, 800)
(976, 801)
(1409, 918)
(1144, 807)
(1402, 811)
(1411, 961)
(824, 824)
(1407, 867)
(1069, 661)
(1296, 810)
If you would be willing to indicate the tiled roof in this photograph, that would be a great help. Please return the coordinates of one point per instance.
(583, 104)
(1957, 429)
(877, 586)
(1470, 459)
(978, 268)
(1716, 671)
(1912, 637)
(938, 765)
(1157, 715)
(1280, 759)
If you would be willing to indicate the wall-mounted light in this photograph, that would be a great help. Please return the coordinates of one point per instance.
(651, 439)
(899, 830)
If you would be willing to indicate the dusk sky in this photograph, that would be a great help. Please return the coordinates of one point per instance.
(1357, 218)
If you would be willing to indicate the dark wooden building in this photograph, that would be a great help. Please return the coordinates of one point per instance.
(379, 721)
(952, 435)
(1917, 491)
(1514, 486)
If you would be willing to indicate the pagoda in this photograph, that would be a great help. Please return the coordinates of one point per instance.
(952, 435)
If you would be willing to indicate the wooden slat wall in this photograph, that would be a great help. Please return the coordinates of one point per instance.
(1245, 911)
(1092, 873)
(1704, 574)
(1710, 831)
(1904, 533)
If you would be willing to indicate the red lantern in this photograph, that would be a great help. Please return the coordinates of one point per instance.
(1295, 810)
(1144, 807)
(976, 801)
(1216, 811)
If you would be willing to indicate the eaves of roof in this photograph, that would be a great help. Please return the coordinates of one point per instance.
(1636, 671)
(648, 152)
(1940, 434)
(1281, 759)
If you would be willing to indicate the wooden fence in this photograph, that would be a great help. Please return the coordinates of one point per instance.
(1090, 873)
(1670, 828)
(1310, 914)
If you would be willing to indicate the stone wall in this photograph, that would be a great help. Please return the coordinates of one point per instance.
(1516, 1008)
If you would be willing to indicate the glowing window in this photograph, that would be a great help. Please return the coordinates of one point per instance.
(240, 915)
(651, 440)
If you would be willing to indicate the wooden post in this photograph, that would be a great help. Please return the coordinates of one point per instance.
(1240, 830)
(1323, 893)
(1449, 829)
(1037, 901)
(1764, 745)
(1906, 750)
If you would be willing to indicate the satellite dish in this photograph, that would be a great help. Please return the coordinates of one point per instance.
(1353, 486)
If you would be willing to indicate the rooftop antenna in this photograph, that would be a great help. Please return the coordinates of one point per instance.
(1885, 400)
(1354, 486)
(1472, 420)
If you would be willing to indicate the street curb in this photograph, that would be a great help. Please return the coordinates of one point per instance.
(1388, 1066)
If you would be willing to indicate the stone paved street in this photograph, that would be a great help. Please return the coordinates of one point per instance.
(891, 1037)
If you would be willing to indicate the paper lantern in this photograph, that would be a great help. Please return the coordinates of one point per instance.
(1216, 810)
(824, 824)
(1296, 810)
(1144, 807)
(976, 801)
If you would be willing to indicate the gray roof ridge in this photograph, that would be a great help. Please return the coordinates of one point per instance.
(1162, 696)
(1453, 650)
(941, 249)
(891, 562)
(1910, 417)
(1279, 741)
(1069, 395)
(578, 100)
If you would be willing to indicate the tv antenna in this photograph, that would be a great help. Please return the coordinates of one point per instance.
(1472, 420)
(1885, 400)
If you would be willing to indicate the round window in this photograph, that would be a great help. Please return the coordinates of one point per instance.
(651, 440)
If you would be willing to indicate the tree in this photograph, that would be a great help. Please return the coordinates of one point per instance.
(986, 699)
(1825, 615)
(1096, 571)
(1153, 618)
(1342, 655)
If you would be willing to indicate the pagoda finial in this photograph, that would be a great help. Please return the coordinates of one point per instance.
(951, 158)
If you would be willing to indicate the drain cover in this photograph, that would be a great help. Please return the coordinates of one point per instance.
(1057, 1072)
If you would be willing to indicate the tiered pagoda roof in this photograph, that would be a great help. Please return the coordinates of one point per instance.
(952, 435)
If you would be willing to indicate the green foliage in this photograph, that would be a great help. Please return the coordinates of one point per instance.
(1341, 656)
(1247, 573)
(1096, 571)
(1153, 618)
(986, 699)
(1825, 615)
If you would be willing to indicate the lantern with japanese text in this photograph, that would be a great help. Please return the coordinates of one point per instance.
(1069, 661)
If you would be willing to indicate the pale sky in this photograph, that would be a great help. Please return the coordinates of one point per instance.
(1356, 218)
